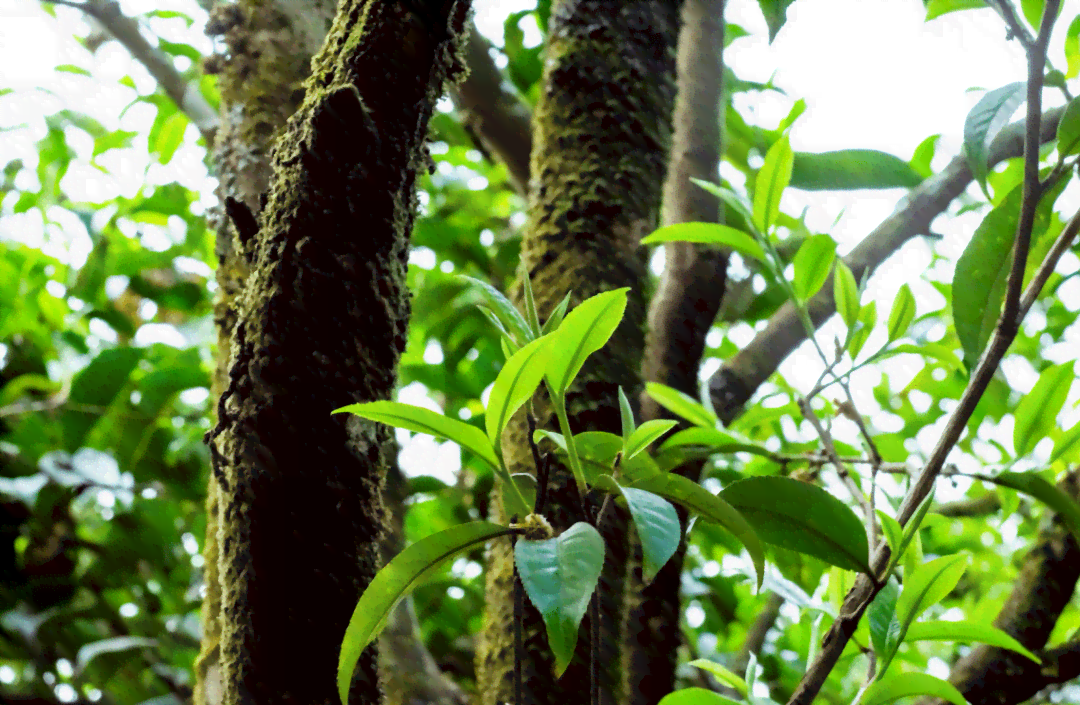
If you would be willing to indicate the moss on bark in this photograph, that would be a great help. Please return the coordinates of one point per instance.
(320, 324)
(600, 141)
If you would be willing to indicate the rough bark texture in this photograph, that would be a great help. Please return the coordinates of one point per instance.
(680, 315)
(266, 60)
(988, 675)
(321, 323)
(600, 142)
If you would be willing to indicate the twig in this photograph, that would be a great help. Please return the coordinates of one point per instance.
(126, 30)
(1016, 27)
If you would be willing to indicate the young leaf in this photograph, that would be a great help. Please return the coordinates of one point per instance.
(894, 536)
(901, 685)
(851, 169)
(926, 586)
(395, 580)
(1072, 48)
(845, 293)
(983, 123)
(507, 339)
(531, 317)
(584, 331)
(556, 317)
(696, 696)
(937, 8)
(812, 264)
(709, 507)
(1066, 444)
(881, 615)
(1051, 496)
(924, 155)
(708, 234)
(729, 197)
(772, 179)
(715, 440)
(902, 313)
(505, 311)
(517, 381)
(1037, 412)
(421, 420)
(645, 434)
(559, 576)
(803, 518)
(657, 526)
(864, 327)
(966, 632)
(723, 675)
(1068, 132)
(678, 403)
(627, 415)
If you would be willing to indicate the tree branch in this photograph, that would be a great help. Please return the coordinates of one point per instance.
(125, 30)
(734, 383)
(495, 117)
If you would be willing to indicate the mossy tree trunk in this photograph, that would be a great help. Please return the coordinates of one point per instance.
(320, 323)
(600, 144)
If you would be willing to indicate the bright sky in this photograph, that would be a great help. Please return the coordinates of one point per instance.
(873, 74)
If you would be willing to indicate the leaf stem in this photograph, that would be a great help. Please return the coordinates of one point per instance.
(559, 402)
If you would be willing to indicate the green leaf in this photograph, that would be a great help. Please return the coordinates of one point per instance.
(966, 632)
(645, 434)
(681, 404)
(775, 12)
(911, 529)
(937, 8)
(865, 326)
(506, 312)
(803, 518)
(848, 169)
(812, 263)
(1072, 48)
(395, 580)
(507, 340)
(1053, 497)
(902, 685)
(559, 576)
(1066, 444)
(516, 383)
(926, 586)
(894, 533)
(723, 675)
(708, 234)
(715, 440)
(881, 616)
(170, 136)
(845, 293)
(771, 181)
(985, 120)
(72, 68)
(730, 199)
(933, 351)
(421, 420)
(657, 526)
(696, 696)
(1037, 412)
(902, 313)
(556, 317)
(531, 315)
(1068, 132)
(924, 155)
(709, 507)
(627, 415)
(91, 650)
(584, 331)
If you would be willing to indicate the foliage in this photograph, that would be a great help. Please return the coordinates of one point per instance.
(106, 356)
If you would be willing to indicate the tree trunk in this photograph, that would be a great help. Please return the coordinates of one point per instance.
(600, 141)
(320, 324)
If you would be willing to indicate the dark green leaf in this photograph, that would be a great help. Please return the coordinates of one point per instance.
(848, 169)
(1048, 494)
(1068, 132)
(803, 518)
(881, 615)
(658, 528)
(775, 12)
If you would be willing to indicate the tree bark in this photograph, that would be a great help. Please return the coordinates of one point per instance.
(680, 315)
(320, 324)
(600, 142)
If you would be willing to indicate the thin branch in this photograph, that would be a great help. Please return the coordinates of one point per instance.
(859, 597)
(737, 380)
(126, 30)
(1016, 27)
(492, 114)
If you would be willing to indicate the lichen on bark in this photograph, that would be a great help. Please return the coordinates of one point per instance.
(320, 324)
(600, 140)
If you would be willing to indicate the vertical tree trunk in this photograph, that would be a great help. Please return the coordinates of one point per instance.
(600, 141)
(320, 324)
(680, 315)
